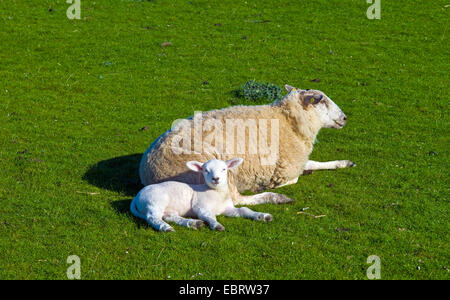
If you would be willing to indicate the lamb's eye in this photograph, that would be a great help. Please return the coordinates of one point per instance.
(224, 169)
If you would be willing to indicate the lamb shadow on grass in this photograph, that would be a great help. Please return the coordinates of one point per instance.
(123, 207)
(119, 174)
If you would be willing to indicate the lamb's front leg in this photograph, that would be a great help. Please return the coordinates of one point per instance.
(209, 218)
(312, 165)
(247, 213)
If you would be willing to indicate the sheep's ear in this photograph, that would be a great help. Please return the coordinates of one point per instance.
(195, 166)
(312, 99)
(234, 162)
(289, 88)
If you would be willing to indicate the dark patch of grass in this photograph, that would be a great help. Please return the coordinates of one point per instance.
(254, 92)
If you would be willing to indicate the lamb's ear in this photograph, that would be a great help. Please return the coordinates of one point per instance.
(312, 99)
(195, 166)
(234, 162)
(289, 88)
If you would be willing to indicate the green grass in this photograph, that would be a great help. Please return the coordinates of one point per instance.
(74, 95)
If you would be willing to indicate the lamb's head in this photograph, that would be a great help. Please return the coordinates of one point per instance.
(331, 116)
(215, 171)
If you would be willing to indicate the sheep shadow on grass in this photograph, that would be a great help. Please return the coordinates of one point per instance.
(119, 174)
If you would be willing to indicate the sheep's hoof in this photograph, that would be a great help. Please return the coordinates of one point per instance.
(270, 197)
(198, 224)
(280, 198)
(284, 199)
(219, 227)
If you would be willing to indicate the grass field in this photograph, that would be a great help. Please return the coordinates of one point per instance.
(81, 100)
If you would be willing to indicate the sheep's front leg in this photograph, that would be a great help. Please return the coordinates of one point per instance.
(266, 197)
(247, 213)
(189, 223)
(209, 218)
(292, 181)
(312, 165)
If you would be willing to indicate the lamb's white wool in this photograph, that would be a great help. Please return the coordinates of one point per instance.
(171, 201)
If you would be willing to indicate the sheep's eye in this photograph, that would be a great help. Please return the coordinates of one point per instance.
(224, 169)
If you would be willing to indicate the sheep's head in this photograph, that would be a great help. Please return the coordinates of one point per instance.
(329, 113)
(215, 171)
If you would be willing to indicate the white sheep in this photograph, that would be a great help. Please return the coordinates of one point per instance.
(171, 201)
(293, 123)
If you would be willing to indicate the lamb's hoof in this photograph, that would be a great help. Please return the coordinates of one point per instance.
(169, 229)
(346, 164)
(264, 217)
(219, 228)
(268, 217)
(198, 224)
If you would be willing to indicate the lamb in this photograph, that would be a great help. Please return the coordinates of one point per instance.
(171, 201)
(293, 122)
